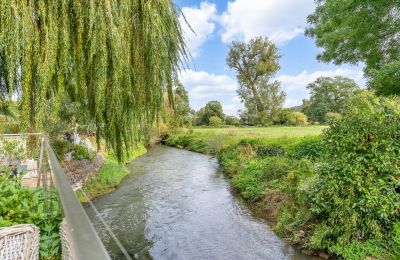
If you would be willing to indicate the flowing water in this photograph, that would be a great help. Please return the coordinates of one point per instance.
(177, 204)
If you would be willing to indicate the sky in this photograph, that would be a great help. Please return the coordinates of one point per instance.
(216, 23)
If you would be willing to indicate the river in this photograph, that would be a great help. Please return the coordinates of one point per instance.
(177, 204)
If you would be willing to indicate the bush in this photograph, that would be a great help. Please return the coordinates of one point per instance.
(282, 117)
(332, 117)
(270, 150)
(297, 119)
(60, 147)
(310, 148)
(11, 150)
(357, 194)
(23, 206)
(232, 120)
(81, 152)
(395, 239)
(258, 175)
(215, 121)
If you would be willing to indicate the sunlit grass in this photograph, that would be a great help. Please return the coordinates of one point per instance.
(110, 175)
(271, 132)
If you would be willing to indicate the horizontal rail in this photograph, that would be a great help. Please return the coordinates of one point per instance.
(85, 243)
(20, 135)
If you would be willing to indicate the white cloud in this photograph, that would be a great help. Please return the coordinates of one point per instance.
(295, 85)
(202, 25)
(280, 20)
(202, 85)
(232, 109)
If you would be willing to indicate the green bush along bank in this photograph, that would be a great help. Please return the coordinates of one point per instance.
(338, 192)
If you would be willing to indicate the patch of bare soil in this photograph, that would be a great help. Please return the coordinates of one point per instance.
(78, 172)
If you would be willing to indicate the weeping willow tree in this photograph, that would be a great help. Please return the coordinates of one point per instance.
(116, 57)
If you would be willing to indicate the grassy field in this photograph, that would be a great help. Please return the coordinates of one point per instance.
(272, 132)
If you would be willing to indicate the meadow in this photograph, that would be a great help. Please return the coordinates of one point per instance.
(268, 132)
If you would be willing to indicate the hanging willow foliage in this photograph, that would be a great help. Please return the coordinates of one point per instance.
(116, 57)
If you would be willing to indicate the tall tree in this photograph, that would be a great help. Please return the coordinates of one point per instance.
(328, 95)
(357, 31)
(115, 57)
(273, 99)
(256, 63)
(177, 114)
(182, 107)
(385, 81)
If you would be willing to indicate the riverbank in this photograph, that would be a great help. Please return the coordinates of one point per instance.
(110, 175)
(178, 204)
(280, 176)
(266, 170)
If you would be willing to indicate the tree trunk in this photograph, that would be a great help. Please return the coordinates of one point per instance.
(260, 106)
(257, 98)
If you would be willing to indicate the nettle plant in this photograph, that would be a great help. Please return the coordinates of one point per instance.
(357, 197)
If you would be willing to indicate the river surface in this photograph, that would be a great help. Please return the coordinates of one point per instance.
(177, 204)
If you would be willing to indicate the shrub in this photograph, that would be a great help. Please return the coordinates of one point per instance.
(264, 149)
(395, 239)
(23, 206)
(357, 194)
(60, 147)
(309, 147)
(232, 120)
(215, 121)
(270, 150)
(271, 173)
(332, 117)
(81, 152)
(297, 119)
(249, 186)
(11, 150)
(282, 117)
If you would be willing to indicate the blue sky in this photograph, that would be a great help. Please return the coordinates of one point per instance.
(218, 23)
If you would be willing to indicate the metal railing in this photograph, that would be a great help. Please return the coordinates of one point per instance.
(84, 243)
(78, 236)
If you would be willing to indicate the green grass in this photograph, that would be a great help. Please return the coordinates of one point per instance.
(110, 175)
(213, 140)
(270, 132)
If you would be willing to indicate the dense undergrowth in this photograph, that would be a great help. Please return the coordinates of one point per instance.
(339, 192)
(23, 206)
